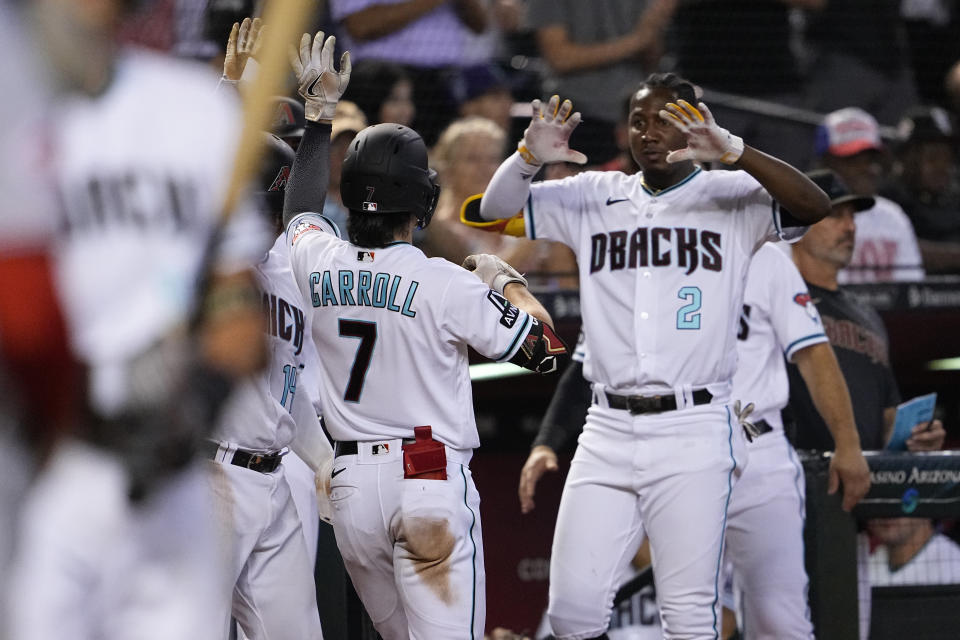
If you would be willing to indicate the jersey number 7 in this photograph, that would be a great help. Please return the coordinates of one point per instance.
(367, 332)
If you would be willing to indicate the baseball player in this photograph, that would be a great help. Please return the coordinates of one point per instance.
(240, 67)
(269, 568)
(765, 517)
(663, 257)
(117, 536)
(766, 514)
(393, 328)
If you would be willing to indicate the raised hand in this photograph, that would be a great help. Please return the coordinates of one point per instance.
(241, 44)
(320, 85)
(548, 136)
(706, 140)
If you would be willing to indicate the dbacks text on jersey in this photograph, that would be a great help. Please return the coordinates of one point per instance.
(364, 289)
(140, 200)
(279, 314)
(656, 247)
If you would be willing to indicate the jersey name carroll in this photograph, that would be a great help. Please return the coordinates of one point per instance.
(363, 289)
(656, 247)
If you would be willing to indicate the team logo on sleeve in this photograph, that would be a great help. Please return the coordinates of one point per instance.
(280, 182)
(365, 256)
(302, 228)
(508, 312)
(804, 300)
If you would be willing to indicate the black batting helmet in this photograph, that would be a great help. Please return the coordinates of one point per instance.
(287, 120)
(274, 174)
(386, 171)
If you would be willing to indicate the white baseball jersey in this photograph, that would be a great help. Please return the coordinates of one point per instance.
(778, 319)
(142, 170)
(661, 273)
(393, 328)
(938, 562)
(260, 413)
(886, 247)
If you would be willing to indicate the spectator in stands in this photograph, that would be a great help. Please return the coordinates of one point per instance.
(348, 121)
(911, 552)
(927, 185)
(383, 91)
(595, 49)
(855, 330)
(426, 37)
(465, 157)
(848, 142)
(862, 59)
(484, 91)
(931, 27)
(752, 56)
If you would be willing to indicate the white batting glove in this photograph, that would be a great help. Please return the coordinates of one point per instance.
(548, 136)
(742, 414)
(493, 270)
(706, 140)
(320, 84)
(241, 44)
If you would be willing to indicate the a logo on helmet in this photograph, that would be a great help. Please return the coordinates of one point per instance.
(368, 203)
(283, 115)
(280, 182)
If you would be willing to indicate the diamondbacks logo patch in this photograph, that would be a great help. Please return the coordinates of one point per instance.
(804, 300)
(365, 256)
(280, 182)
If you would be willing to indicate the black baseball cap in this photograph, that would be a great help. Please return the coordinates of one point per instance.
(838, 191)
(925, 124)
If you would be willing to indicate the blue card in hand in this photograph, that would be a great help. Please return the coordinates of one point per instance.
(909, 414)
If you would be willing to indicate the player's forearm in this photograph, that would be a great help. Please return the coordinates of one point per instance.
(381, 20)
(566, 56)
(520, 297)
(310, 175)
(795, 192)
(828, 389)
(564, 418)
(509, 189)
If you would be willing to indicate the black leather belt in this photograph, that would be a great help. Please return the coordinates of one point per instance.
(762, 427)
(653, 404)
(262, 462)
(349, 447)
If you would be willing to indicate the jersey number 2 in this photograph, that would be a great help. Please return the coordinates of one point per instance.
(688, 316)
(367, 332)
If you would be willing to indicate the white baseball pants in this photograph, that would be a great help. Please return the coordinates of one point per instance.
(269, 573)
(91, 565)
(413, 548)
(765, 542)
(672, 473)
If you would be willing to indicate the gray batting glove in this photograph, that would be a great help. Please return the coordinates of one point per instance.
(493, 270)
(320, 84)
